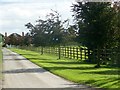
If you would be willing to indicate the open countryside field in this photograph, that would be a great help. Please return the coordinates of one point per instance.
(76, 71)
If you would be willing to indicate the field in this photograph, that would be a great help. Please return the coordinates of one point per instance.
(74, 70)
(0, 66)
(0, 60)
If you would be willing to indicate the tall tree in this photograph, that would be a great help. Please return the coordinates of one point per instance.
(94, 22)
(116, 26)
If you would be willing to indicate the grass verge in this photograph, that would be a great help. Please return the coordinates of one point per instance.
(1, 67)
(0, 62)
(76, 71)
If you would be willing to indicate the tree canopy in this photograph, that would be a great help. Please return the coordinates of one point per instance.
(96, 24)
(50, 31)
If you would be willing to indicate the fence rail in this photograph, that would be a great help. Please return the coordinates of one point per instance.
(78, 53)
(67, 52)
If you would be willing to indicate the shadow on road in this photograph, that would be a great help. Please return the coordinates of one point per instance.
(14, 59)
(30, 70)
(10, 54)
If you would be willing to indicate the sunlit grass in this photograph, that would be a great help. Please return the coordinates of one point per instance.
(76, 71)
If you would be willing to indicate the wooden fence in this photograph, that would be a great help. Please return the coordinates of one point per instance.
(78, 53)
(67, 52)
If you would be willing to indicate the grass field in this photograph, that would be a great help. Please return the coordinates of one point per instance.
(0, 62)
(76, 71)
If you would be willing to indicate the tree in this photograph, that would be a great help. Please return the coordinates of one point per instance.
(27, 40)
(70, 36)
(38, 33)
(1, 39)
(14, 39)
(116, 26)
(48, 32)
(94, 23)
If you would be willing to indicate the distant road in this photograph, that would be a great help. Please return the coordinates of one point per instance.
(21, 73)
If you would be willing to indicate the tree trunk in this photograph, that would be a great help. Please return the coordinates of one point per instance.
(98, 58)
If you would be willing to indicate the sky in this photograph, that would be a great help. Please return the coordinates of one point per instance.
(14, 14)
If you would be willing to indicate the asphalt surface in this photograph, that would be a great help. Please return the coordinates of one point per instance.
(19, 72)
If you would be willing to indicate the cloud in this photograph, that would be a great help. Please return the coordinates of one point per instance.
(14, 14)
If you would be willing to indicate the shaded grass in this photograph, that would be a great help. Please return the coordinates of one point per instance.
(76, 71)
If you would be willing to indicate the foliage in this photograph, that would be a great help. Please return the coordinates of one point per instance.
(117, 32)
(27, 40)
(50, 31)
(1, 38)
(13, 39)
(95, 22)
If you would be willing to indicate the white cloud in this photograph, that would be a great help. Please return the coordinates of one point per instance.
(13, 14)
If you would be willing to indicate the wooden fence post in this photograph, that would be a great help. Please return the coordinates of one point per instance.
(89, 55)
(77, 52)
(73, 53)
(85, 53)
(41, 50)
(81, 53)
(59, 52)
(68, 52)
(65, 52)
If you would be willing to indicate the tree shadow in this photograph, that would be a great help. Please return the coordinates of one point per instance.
(29, 70)
(60, 62)
(104, 81)
(68, 67)
(17, 59)
(27, 54)
(113, 80)
(106, 72)
(10, 54)
(82, 87)
(40, 59)
(20, 59)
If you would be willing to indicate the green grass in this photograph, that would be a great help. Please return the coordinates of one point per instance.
(76, 71)
(0, 62)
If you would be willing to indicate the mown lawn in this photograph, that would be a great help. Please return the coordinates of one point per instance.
(76, 71)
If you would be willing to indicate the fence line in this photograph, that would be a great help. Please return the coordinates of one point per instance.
(67, 52)
(78, 53)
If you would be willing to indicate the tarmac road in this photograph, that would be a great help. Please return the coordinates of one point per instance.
(21, 73)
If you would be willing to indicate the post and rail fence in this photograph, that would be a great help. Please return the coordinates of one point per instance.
(62, 51)
(79, 53)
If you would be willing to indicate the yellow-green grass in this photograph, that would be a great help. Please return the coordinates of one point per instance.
(76, 71)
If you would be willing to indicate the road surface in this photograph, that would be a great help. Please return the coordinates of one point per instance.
(21, 73)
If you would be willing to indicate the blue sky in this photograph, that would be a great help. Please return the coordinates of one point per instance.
(14, 14)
